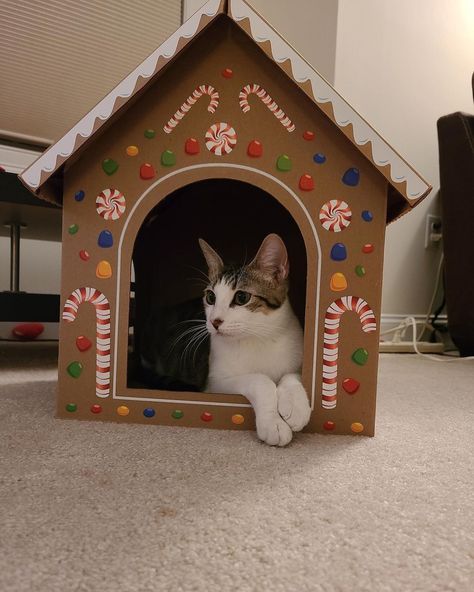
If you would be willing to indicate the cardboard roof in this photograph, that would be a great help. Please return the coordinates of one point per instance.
(408, 188)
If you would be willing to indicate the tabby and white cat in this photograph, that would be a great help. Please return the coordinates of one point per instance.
(255, 346)
(256, 339)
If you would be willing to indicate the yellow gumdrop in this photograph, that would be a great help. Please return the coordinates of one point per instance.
(132, 150)
(357, 427)
(123, 410)
(103, 270)
(238, 419)
(338, 282)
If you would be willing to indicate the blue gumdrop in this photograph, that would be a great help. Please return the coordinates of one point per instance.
(351, 177)
(149, 412)
(80, 195)
(367, 216)
(339, 252)
(319, 158)
(105, 239)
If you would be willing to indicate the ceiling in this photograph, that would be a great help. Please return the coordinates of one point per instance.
(58, 58)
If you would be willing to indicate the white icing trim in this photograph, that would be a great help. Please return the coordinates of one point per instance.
(103, 110)
(382, 153)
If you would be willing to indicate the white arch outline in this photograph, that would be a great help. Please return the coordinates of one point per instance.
(119, 263)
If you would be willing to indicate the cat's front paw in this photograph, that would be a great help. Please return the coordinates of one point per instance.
(293, 404)
(272, 430)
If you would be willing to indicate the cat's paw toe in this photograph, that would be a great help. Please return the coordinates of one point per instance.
(274, 431)
(293, 406)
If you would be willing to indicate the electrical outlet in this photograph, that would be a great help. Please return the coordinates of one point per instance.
(433, 231)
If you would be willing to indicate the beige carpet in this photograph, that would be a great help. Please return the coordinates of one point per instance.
(110, 508)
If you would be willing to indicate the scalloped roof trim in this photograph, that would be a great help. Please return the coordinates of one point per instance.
(382, 153)
(65, 147)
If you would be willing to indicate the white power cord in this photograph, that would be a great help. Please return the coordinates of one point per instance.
(400, 329)
(440, 358)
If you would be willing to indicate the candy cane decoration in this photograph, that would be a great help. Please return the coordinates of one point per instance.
(198, 92)
(268, 101)
(331, 340)
(102, 313)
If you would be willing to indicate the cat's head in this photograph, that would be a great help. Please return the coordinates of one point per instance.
(243, 301)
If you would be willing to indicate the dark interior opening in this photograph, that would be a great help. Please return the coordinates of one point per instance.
(233, 217)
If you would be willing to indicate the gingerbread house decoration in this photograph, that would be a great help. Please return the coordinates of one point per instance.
(224, 132)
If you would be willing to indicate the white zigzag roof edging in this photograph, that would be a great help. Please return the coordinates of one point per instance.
(323, 92)
(103, 110)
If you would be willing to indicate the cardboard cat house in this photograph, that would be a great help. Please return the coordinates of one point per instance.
(225, 133)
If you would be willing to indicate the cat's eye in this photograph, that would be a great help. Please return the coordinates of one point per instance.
(210, 297)
(242, 298)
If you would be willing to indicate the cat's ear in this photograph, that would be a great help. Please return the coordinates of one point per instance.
(214, 262)
(272, 258)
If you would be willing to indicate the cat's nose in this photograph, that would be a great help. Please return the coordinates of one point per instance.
(217, 323)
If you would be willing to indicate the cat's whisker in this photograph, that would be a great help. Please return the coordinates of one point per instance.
(201, 272)
(186, 333)
(197, 338)
(247, 331)
(199, 343)
(200, 281)
(197, 321)
(188, 347)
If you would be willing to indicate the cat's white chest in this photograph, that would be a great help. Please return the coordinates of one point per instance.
(274, 358)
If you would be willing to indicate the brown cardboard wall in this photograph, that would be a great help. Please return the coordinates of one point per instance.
(325, 156)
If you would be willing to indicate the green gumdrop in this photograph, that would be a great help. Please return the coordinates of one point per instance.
(71, 407)
(73, 229)
(149, 133)
(360, 356)
(168, 158)
(75, 369)
(360, 270)
(177, 414)
(284, 163)
(110, 166)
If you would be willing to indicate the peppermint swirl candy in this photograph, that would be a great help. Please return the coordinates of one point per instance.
(221, 138)
(335, 215)
(110, 204)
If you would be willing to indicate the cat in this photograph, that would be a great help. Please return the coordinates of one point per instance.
(256, 341)
(241, 337)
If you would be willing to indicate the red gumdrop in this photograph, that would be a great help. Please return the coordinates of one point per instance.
(306, 183)
(350, 385)
(82, 343)
(255, 148)
(191, 146)
(147, 171)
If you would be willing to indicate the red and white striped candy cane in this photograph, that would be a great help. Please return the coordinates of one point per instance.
(331, 340)
(268, 101)
(102, 314)
(198, 92)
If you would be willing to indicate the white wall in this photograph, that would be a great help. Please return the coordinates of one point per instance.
(308, 25)
(402, 65)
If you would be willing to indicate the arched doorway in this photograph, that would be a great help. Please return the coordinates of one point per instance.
(232, 208)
